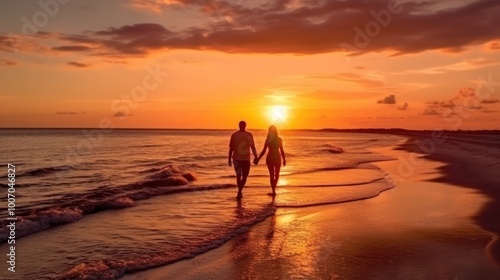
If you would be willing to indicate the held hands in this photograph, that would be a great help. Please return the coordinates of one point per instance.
(284, 162)
(229, 162)
(256, 160)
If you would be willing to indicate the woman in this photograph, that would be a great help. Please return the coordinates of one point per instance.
(273, 160)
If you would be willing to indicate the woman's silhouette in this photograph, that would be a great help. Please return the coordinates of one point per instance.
(273, 159)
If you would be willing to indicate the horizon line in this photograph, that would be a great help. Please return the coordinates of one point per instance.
(326, 129)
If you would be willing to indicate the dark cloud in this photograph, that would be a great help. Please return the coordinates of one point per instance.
(431, 112)
(121, 114)
(352, 78)
(72, 48)
(475, 107)
(441, 104)
(464, 102)
(325, 94)
(78, 64)
(404, 107)
(7, 62)
(68, 113)
(486, 110)
(305, 27)
(493, 46)
(15, 43)
(489, 101)
(391, 99)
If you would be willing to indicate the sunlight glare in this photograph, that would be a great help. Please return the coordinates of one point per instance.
(278, 114)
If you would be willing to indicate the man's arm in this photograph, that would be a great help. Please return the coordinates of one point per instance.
(254, 151)
(230, 155)
(252, 146)
(231, 151)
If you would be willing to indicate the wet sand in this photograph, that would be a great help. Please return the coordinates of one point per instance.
(437, 223)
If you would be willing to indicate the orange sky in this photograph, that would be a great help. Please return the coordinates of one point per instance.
(180, 64)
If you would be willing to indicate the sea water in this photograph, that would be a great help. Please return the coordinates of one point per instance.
(103, 205)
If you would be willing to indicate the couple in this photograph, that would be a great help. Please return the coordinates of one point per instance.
(239, 151)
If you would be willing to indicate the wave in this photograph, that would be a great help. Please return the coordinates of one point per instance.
(47, 170)
(359, 183)
(377, 160)
(153, 163)
(334, 149)
(74, 206)
(304, 197)
(148, 146)
(117, 268)
(108, 269)
(346, 165)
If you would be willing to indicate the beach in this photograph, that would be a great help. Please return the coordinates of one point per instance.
(349, 205)
(231, 139)
(171, 199)
(437, 223)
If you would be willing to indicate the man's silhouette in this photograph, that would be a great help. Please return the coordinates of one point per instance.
(239, 151)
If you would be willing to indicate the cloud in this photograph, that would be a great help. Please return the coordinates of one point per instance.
(475, 107)
(7, 62)
(391, 99)
(463, 102)
(78, 64)
(72, 48)
(300, 27)
(325, 94)
(155, 6)
(210, 6)
(352, 78)
(471, 64)
(493, 46)
(193, 62)
(68, 113)
(404, 107)
(19, 43)
(486, 110)
(431, 112)
(136, 40)
(121, 114)
(489, 101)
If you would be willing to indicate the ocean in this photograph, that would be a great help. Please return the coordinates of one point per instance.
(104, 205)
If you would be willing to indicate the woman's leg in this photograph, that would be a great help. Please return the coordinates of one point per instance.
(276, 175)
(270, 167)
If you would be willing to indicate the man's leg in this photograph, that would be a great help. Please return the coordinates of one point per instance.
(245, 168)
(239, 172)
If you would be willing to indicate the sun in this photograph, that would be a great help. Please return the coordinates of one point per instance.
(278, 114)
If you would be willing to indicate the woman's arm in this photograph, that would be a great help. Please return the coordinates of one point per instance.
(263, 151)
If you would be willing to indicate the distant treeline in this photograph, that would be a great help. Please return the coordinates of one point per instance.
(408, 131)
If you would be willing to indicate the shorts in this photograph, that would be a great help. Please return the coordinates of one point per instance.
(242, 166)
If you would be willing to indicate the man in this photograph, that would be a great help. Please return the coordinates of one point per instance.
(239, 150)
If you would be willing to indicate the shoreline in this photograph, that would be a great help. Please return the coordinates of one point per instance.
(425, 228)
(471, 170)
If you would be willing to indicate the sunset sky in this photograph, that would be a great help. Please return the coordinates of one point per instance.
(411, 64)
